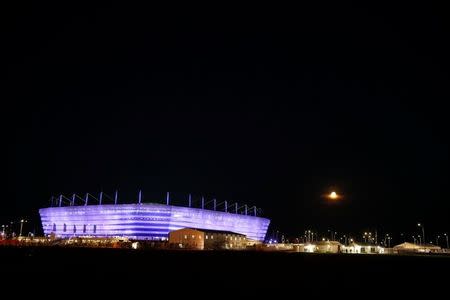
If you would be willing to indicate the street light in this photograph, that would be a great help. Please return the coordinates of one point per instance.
(446, 238)
(11, 228)
(332, 234)
(423, 231)
(365, 237)
(388, 238)
(21, 226)
(437, 240)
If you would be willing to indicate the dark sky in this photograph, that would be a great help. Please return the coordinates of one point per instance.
(272, 108)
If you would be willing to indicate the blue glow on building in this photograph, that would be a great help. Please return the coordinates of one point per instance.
(146, 221)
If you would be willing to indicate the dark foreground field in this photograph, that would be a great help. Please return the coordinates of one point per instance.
(178, 271)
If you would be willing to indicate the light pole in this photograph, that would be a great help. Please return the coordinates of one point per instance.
(12, 230)
(414, 238)
(423, 231)
(446, 238)
(420, 239)
(21, 226)
(437, 240)
(332, 234)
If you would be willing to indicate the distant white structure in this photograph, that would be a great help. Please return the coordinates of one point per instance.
(323, 247)
(410, 247)
(319, 247)
(362, 248)
(310, 248)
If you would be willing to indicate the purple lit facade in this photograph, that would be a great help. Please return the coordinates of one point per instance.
(146, 221)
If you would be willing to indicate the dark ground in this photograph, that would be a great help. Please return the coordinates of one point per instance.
(120, 271)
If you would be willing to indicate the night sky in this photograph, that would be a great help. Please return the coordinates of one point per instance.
(270, 108)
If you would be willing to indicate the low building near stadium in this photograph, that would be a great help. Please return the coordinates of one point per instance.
(201, 239)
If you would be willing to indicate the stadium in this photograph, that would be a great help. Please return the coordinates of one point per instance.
(146, 221)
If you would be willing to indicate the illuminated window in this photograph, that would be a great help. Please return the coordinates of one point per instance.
(235, 238)
(65, 227)
(206, 237)
(185, 237)
(199, 237)
(193, 236)
(212, 237)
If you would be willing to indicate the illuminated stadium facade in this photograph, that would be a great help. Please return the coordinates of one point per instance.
(147, 221)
